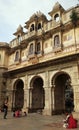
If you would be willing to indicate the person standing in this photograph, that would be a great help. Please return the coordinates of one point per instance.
(5, 109)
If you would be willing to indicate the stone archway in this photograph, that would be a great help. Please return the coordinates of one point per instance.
(18, 95)
(63, 93)
(37, 95)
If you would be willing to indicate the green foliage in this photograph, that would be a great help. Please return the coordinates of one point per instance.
(74, 17)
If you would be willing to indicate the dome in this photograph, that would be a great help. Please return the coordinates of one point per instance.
(56, 8)
(37, 14)
(19, 28)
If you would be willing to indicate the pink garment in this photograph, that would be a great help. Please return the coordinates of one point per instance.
(17, 114)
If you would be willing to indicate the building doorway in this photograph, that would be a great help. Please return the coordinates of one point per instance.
(37, 95)
(18, 95)
(63, 93)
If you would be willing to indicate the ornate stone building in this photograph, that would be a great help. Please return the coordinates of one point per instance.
(40, 67)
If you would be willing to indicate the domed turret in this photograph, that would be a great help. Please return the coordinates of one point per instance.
(36, 17)
(57, 7)
(20, 28)
(19, 31)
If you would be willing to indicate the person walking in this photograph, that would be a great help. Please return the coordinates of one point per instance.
(5, 109)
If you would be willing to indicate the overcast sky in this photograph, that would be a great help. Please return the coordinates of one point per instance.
(16, 12)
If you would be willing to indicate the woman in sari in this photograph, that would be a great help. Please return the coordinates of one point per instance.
(72, 123)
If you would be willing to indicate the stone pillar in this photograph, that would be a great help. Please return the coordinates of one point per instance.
(9, 98)
(76, 101)
(30, 98)
(47, 89)
(48, 101)
(2, 91)
(25, 106)
(25, 109)
(9, 94)
(53, 99)
(45, 111)
(13, 98)
(27, 98)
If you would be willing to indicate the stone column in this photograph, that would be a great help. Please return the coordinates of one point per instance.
(76, 101)
(25, 98)
(53, 99)
(47, 89)
(30, 98)
(25, 109)
(25, 106)
(76, 98)
(9, 98)
(49, 101)
(9, 95)
(49, 108)
(13, 98)
(45, 111)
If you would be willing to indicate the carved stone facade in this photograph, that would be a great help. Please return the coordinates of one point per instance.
(40, 67)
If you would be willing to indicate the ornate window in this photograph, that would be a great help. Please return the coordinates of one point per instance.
(31, 49)
(38, 48)
(56, 41)
(39, 26)
(32, 28)
(17, 56)
(56, 17)
(19, 38)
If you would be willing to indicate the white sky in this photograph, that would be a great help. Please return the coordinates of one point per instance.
(16, 12)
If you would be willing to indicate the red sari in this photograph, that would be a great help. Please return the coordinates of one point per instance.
(72, 123)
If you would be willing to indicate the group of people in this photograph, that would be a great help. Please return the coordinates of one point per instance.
(16, 113)
(70, 122)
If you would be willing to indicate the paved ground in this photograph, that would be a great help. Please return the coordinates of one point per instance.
(32, 122)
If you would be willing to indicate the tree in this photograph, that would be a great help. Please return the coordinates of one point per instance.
(74, 19)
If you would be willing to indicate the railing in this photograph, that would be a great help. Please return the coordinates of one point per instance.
(57, 47)
(35, 58)
(14, 43)
(51, 25)
(47, 27)
(34, 54)
(31, 54)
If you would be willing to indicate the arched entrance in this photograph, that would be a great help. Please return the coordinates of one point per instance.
(63, 93)
(18, 95)
(37, 99)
